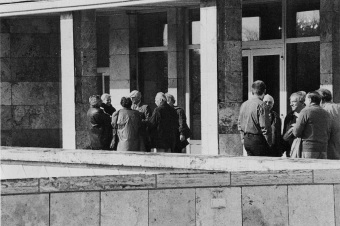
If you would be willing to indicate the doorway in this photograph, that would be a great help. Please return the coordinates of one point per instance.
(265, 65)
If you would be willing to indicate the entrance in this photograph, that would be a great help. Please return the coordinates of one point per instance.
(265, 65)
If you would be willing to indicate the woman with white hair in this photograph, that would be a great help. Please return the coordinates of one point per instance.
(276, 148)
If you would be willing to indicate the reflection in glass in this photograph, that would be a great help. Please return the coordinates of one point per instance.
(262, 20)
(250, 28)
(152, 30)
(153, 75)
(194, 26)
(195, 93)
(303, 18)
(303, 67)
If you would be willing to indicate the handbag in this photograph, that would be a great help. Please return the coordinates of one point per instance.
(115, 138)
(296, 149)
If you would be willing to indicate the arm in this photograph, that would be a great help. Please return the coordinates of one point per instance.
(300, 125)
(153, 121)
(264, 121)
(147, 112)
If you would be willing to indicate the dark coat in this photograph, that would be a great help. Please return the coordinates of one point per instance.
(100, 130)
(163, 127)
(183, 129)
(108, 109)
(276, 150)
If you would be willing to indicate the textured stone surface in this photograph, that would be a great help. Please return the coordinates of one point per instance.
(193, 180)
(327, 176)
(49, 138)
(35, 69)
(74, 208)
(230, 145)
(6, 138)
(230, 24)
(326, 58)
(33, 93)
(311, 205)
(82, 123)
(37, 45)
(113, 182)
(36, 117)
(6, 93)
(326, 79)
(337, 203)
(124, 208)
(119, 21)
(230, 56)
(5, 68)
(326, 26)
(82, 139)
(119, 41)
(120, 84)
(17, 186)
(172, 207)
(119, 67)
(5, 25)
(25, 210)
(86, 87)
(6, 117)
(208, 214)
(5, 45)
(272, 177)
(228, 117)
(35, 25)
(264, 205)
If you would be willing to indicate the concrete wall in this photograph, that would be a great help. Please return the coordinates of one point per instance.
(30, 82)
(239, 198)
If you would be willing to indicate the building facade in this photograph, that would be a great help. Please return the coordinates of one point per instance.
(55, 54)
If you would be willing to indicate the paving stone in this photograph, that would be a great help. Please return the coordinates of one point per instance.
(218, 206)
(25, 210)
(124, 208)
(264, 205)
(35, 93)
(311, 205)
(81, 208)
(172, 207)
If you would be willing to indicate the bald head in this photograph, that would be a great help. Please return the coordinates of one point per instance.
(269, 101)
(160, 98)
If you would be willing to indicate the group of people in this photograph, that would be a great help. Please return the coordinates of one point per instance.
(135, 127)
(310, 130)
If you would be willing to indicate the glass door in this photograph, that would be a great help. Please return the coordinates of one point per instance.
(265, 65)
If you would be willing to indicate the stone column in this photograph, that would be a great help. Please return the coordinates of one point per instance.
(176, 66)
(229, 55)
(88, 82)
(221, 76)
(67, 81)
(123, 56)
(330, 46)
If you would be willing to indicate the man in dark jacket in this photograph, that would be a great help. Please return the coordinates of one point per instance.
(163, 125)
(101, 129)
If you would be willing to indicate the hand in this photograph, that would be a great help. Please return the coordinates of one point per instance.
(182, 137)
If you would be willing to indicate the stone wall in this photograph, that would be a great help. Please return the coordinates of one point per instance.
(30, 82)
(206, 198)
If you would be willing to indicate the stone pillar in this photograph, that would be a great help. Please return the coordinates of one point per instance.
(88, 82)
(123, 56)
(229, 55)
(221, 76)
(176, 66)
(330, 47)
(209, 88)
(67, 81)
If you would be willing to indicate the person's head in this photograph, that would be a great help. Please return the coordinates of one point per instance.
(326, 95)
(258, 88)
(269, 101)
(95, 101)
(297, 101)
(313, 98)
(160, 98)
(170, 99)
(126, 102)
(106, 98)
(135, 96)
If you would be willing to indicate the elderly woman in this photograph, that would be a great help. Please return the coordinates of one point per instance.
(128, 124)
(101, 130)
(276, 148)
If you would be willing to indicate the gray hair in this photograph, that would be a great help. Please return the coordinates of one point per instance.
(301, 96)
(161, 97)
(105, 96)
(170, 98)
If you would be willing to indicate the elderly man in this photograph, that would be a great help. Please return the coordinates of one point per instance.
(254, 123)
(101, 129)
(145, 113)
(275, 121)
(333, 151)
(163, 125)
(106, 105)
(183, 132)
(297, 103)
(313, 127)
